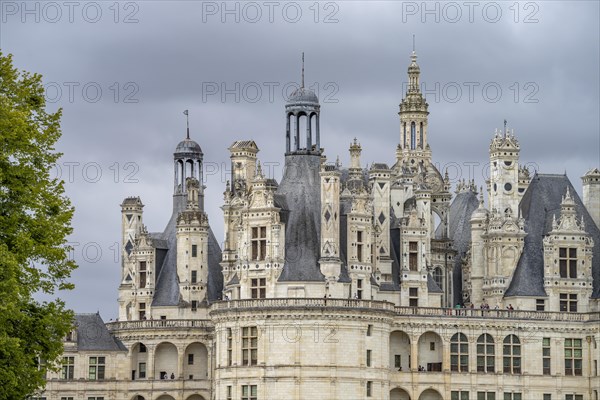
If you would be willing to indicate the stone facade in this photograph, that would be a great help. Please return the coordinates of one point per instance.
(352, 282)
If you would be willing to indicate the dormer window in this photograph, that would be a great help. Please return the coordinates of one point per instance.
(567, 258)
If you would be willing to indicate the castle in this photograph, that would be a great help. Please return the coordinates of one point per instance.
(346, 282)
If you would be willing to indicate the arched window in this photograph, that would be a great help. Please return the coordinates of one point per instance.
(421, 145)
(511, 355)
(438, 277)
(485, 353)
(404, 138)
(459, 353)
(413, 136)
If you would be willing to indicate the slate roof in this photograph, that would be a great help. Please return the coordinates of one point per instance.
(459, 231)
(539, 204)
(92, 334)
(432, 286)
(167, 285)
(301, 188)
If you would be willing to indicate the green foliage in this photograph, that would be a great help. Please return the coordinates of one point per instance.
(35, 220)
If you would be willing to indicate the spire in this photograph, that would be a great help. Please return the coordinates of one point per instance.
(413, 43)
(302, 82)
(187, 118)
(505, 131)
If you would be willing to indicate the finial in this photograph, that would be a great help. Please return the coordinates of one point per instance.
(187, 117)
(302, 82)
(259, 170)
(505, 131)
(337, 162)
(413, 43)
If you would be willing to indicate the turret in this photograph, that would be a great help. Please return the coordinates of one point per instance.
(477, 271)
(131, 223)
(192, 248)
(329, 262)
(591, 194)
(504, 173)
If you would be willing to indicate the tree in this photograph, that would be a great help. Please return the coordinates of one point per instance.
(35, 220)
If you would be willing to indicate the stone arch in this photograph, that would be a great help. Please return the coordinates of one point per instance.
(430, 394)
(399, 394)
(195, 361)
(430, 351)
(139, 361)
(195, 397)
(166, 360)
(399, 351)
(138, 397)
(165, 397)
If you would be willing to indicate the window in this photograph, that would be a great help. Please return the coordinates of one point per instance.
(249, 392)
(96, 398)
(413, 136)
(568, 302)
(229, 394)
(486, 357)
(229, 346)
(421, 135)
(359, 289)
(456, 395)
(142, 274)
(369, 330)
(573, 397)
(369, 388)
(258, 288)
(68, 368)
(547, 396)
(249, 345)
(142, 311)
(546, 356)
(190, 359)
(512, 355)
(194, 250)
(142, 369)
(413, 297)
(259, 243)
(567, 258)
(573, 357)
(194, 305)
(142, 348)
(438, 277)
(359, 246)
(459, 353)
(96, 368)
(486, 396)
(66, 398)
(432, 346)
(369, 358)
(540, 305)
(413, 256)
(194, 276)
(397, 361)
(512, 396)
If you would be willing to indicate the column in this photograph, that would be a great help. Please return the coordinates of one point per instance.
(150, 361)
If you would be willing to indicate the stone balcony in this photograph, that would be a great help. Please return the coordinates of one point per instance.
(387, 307)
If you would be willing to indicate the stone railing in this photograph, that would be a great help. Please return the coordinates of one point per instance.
(405, 311)
(158, 324)
(303, 303)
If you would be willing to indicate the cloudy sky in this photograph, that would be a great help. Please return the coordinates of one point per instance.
(124, 72)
